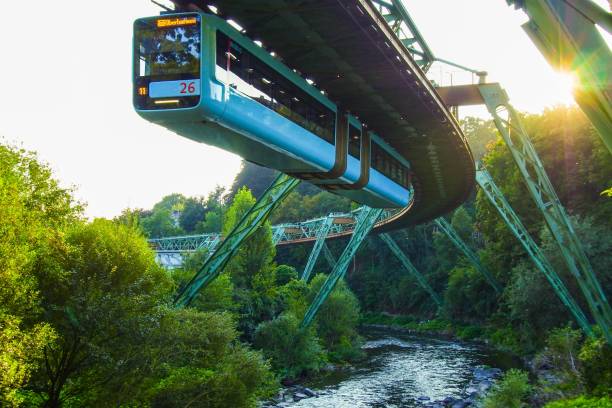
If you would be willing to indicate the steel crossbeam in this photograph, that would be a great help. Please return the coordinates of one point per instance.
(469, 254)
(509, 124)
(365, 222)
(247, 225)
(397, 251)
(495, 196)
(396, 15)
(327, 253)
(316, 249)
(186, 243)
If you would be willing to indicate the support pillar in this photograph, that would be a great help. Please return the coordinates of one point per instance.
(410, 267)
(365, 221)
(248, 224)
(469, 254)
(316, 249)
(495, 196)
(510, 126)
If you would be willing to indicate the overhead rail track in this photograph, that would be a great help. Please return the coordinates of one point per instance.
(350, 51)
(368, 56)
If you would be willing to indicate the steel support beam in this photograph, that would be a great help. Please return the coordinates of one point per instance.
(469, 254)
(248, 224)
(331, 259)
(316, 249)
(406, 31)
(565, 33)
(495, 196)
(510, 126)
(397, 251)
(365, 221)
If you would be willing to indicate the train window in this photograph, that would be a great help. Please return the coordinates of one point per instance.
(262, 83)
(389, 165)
(354, 145)
(167, 62)
(168, 50)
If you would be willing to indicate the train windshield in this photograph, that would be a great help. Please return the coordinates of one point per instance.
(168, 46)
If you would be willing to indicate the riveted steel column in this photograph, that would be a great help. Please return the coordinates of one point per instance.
(365, 221)
(249, 223)
(410, 267)
(469, 254)
(543, 193)
(331, 259)
(316, 249)
(495, 196)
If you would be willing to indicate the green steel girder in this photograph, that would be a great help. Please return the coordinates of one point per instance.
(495, 196)
(365, 221)
(410, 267)
(331, 259)
(185, 243)
(565, 33)
(406, 31)
(249, 223)
(545, 197)
(316, 249)
(469, 254)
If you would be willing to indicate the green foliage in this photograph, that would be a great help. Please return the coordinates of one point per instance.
(510, 391)
(198, 361)
(337, 320)
(101, 310)
(292, 350)
(285, 274)
(595, 357)
(582, 402)
(217, 296)
(34, 211)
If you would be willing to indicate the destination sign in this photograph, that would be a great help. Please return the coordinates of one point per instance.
(176, 22)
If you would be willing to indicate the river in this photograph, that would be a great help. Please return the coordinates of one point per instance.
(399, 368)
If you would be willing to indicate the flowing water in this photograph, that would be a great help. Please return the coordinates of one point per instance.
(399, 368)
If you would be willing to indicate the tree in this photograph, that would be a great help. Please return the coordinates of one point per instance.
(292, 350)
(337, 319)
(197, 361)
(33, 212)
(194, 210)
(103, 309)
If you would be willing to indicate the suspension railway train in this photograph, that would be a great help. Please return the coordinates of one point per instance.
(198, 75)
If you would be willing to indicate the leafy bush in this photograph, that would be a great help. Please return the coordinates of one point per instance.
(337, 320)
(582, 402)
(510, 391)
(196, 360)
(596, 359)
(292, 350)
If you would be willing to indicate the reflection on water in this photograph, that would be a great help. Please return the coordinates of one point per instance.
(399, 369)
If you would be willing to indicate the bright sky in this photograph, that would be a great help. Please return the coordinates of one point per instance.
(65, 86)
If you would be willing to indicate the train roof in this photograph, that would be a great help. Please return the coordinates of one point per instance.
(348, 49)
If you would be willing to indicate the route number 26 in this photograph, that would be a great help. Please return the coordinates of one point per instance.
(187, 87)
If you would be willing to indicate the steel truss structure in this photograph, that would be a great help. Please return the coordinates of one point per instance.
(497, 199)
(565, 33)
(397, 251)
(510, 126)
(470, 255)
(248, 224)
(365, 222)
(406, 31)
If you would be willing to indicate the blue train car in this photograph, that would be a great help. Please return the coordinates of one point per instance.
(200, 77)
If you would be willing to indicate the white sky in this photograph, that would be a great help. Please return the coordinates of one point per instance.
(65, 92)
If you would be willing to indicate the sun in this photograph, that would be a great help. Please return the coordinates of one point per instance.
(565, 83)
